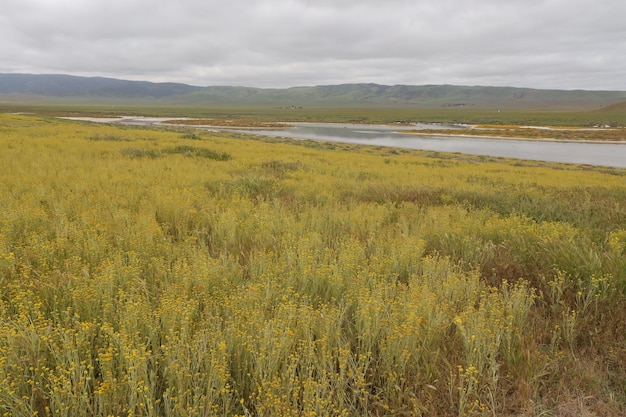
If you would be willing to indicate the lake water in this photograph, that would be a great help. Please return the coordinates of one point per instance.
(576, 152)
(596, 153)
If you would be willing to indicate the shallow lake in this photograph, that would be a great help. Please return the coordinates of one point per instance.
(596, 153)
(575, 152)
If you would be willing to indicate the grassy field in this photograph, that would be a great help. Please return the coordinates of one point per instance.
(150, 272)
(614, 115)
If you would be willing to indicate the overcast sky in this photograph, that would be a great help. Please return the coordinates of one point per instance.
(563, 44)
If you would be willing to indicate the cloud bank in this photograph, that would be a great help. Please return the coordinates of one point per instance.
(561, 44)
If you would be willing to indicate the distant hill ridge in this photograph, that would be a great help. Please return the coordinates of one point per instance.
(72, 86)
(28, 87)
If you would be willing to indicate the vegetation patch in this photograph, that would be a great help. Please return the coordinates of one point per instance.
(281, 168)
(191, 135)
(569, 133)
(141, 153)
(227, 122)
(110, 137)
(193, 151)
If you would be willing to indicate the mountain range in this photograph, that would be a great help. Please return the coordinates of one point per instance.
(64, 88)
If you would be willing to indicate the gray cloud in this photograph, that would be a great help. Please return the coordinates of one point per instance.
(568, 44)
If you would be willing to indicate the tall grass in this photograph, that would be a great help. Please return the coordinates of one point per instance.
(278, 279)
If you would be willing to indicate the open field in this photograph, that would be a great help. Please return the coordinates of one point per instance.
(169, 272)
(604, 124)
(614, 115)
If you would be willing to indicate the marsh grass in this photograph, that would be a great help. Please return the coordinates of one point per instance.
(290, 280)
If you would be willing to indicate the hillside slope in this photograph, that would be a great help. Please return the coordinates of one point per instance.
(26, 87)
(72, 86)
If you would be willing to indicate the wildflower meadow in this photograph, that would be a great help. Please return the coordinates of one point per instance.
(154, 272)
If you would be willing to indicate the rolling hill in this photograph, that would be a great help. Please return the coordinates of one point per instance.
(72, 86)
(52, 88)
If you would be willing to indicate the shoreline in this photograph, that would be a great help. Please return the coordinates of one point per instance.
(598, 141)
(162, 121)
